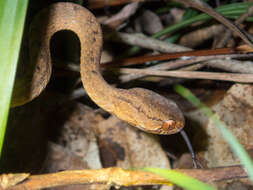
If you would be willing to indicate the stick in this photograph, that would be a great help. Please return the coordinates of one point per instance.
(121, 177)
(96, 4)
(231, 52)
(204, 7)
(147, 42)
(232, 65)
(243, 78)
(228, 33)
(181, 62)
(117, 19)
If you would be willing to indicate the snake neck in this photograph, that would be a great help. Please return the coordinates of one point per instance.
(75, 18)
(95, 85)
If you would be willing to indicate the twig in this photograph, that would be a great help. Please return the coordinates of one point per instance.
(243, 78)
(232, 65)
(95, 4)
(171, 80)
(219, 61)
(194, 67)
(146, 42)
(168, 56)
(121, 177)
(228, 33)
(201, 5)
(171, 65)
(121, 16)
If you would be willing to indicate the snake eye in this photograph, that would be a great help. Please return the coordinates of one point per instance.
(171, 126)
(168, 124)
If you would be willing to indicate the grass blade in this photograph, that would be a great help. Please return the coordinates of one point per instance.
(180, 179)
(237, 9)
(12, 17)
(236, 147)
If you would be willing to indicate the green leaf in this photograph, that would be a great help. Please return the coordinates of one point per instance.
(180, 179)
(12, 17)
(236, 147)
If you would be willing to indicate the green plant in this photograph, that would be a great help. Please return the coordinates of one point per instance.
(180, 179)
(12, 17)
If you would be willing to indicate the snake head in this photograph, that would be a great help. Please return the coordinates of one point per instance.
(150, 111)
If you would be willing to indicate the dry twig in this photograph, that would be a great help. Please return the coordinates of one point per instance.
(171, 80)
(201, 5)
(228, 33)
(121, 177)
(146, 42)
(233, 53)
(243, 78)
(121, 16)
(177, 64)
(232, 65)
(95, 4)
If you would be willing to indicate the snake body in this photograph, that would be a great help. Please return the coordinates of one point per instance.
(139, 107)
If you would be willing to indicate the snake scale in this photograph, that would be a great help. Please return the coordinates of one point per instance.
(139, 107)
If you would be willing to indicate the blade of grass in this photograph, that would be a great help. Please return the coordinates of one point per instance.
(180, 179)
(12, 17)
(224, 10)
(236, 147)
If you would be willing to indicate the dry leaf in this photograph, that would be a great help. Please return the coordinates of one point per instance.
(8, 180)
(125, 146)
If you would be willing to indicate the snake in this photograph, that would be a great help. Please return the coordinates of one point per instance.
(141, 108)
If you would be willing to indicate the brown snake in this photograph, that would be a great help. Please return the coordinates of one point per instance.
(139, 107)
